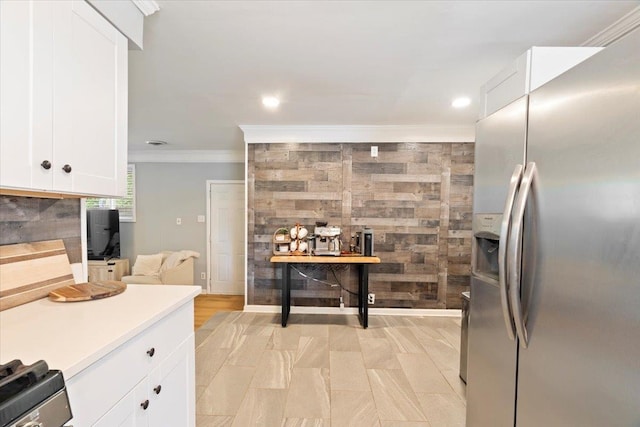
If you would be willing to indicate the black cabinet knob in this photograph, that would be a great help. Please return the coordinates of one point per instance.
(145, 404)
(157, 389)
(66, 168)
(46, 164)
(151, 352)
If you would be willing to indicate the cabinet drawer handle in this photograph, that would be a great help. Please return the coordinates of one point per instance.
(151, 352)
(157, 389)
(66, 168)
(145, 404)
(46, 164)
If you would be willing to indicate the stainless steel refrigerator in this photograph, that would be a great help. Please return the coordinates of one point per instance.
(554, 328)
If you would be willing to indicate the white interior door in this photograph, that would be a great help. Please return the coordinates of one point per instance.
(226, 239)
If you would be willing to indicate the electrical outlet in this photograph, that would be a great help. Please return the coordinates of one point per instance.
(374, 151)
(178, 221)
(203, 276)
(341, 304)
(372, 298)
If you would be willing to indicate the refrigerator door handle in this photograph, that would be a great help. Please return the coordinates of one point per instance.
(503, 252)
(515, 261)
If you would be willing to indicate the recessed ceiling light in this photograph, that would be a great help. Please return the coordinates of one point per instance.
(461, 102)
(156, 142)
(270, 102)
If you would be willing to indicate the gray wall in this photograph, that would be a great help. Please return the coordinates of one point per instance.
(164, 192)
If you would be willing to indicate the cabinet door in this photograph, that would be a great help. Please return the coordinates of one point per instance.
(110, 270)
(101, 272)
(89, 102)
(130, 410)
(172, 388)
(26, 34)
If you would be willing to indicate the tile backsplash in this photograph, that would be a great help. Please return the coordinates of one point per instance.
(32, 219)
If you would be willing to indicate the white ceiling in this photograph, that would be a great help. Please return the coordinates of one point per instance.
(206, 64)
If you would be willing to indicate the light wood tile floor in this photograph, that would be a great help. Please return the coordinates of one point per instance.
(325, 370)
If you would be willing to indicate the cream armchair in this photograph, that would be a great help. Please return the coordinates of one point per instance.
(165, 268)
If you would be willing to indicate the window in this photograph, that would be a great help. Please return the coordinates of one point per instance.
(126, 205)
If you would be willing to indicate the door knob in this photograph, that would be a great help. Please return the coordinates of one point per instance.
(46, 164)
(66, 168)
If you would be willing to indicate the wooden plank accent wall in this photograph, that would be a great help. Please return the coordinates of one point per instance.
(33, 219)
(417, 197)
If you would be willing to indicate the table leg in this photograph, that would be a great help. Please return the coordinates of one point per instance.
(363, 285)
(360, 294)
(286, 293)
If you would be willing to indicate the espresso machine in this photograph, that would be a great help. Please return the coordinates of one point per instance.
(326, 240)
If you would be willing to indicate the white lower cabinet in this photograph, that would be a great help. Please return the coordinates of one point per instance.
(147, 381)
(165, 398)
(127, 412)
(172, 389)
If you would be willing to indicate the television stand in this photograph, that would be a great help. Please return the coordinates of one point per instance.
(113, 269)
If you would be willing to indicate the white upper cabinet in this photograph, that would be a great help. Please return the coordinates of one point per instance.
(528, 72)
(26, 61)
(89, 102)
(64, 99)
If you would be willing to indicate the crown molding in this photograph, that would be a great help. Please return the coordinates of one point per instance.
(255, 134)
(147, 7)
(187, 156)
(618, 29)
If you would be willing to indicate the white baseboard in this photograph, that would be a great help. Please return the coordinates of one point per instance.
(300, 309)
(354, 310)
(423, 312)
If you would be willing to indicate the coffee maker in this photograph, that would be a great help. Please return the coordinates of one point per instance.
(326, 240)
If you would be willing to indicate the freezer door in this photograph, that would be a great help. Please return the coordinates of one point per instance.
(500, 146)
(581, 256)
(491, 360)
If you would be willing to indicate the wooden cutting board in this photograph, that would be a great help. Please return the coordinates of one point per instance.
(87, 291)
(29, 271)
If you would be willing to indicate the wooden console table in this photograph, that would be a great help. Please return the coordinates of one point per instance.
(363, 279)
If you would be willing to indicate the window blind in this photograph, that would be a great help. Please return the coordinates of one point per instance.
(126, 205)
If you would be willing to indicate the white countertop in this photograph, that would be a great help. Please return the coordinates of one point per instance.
(71, 336)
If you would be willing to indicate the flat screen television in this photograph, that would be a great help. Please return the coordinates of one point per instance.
(103, 234)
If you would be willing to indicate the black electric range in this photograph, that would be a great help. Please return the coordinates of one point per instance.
(32, 395)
